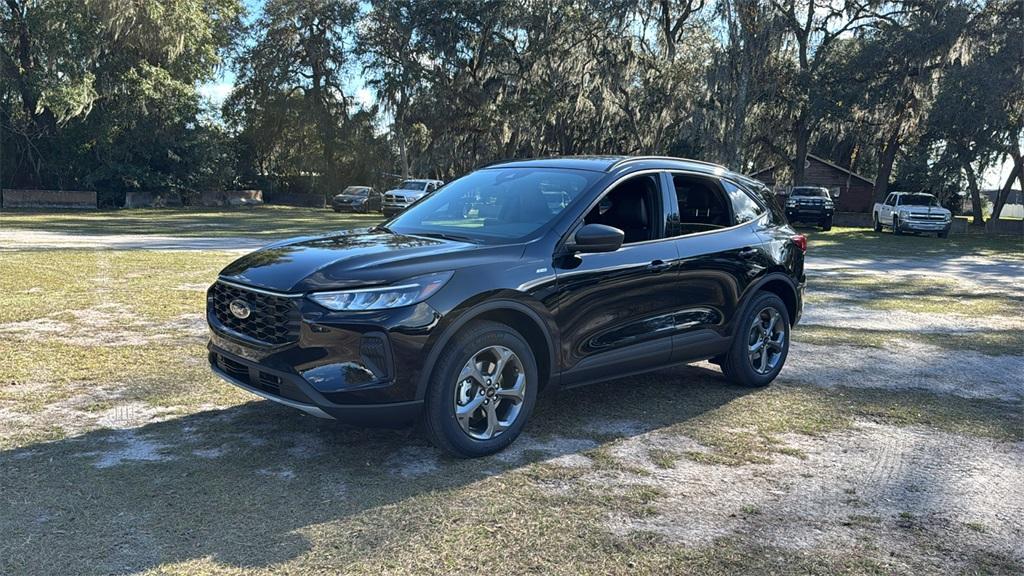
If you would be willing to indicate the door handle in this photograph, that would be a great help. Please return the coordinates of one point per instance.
(748, 252)
(658, 266)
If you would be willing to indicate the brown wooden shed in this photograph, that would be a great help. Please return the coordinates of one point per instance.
(855, 191)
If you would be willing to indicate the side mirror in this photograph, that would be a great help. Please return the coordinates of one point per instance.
(597, 238)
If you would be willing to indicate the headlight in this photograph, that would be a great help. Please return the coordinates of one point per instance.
(791, 202)
(904, 213)
(411, 291)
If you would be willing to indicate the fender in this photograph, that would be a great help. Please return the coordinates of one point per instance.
(756, 286)
(474, 312)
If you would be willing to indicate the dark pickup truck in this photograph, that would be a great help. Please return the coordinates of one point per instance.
(810, 204)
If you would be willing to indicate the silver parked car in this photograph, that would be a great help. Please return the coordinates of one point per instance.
(408, 192)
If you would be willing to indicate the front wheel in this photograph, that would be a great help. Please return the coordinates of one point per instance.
(482, 391)
(761, 343)
(896, 227)
(826, 224)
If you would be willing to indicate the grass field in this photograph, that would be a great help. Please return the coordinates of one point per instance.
(120, 453)
(862, 242)
(256, 221)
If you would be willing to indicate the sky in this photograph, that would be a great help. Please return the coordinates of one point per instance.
(218, 89)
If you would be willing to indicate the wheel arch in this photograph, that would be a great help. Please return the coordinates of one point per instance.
(517, 315)
(782, 286)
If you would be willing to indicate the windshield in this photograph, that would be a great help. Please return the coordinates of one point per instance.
(417, 185)
(816, 192)
(495, 205)
(353, 191)
(917, 200)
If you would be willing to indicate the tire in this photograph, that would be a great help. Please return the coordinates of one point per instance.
(470, 437)
(337, 210)
(943, 234)
(896, 226)
(826, 224)
(878, 225)
(740, 366)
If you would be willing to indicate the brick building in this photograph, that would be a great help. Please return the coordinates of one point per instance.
(855, 191)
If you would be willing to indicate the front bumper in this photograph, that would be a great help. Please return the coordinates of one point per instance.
(808, 214)
(358, 367)
(295, 392)
(393, 209)
(347, 207)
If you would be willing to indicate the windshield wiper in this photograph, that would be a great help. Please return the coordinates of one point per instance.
(446, 236)
(382, 228)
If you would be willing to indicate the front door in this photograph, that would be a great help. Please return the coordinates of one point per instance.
(615, 310)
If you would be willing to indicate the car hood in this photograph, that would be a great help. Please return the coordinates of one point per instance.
(353, 259)
(405, 192)
(349, 197)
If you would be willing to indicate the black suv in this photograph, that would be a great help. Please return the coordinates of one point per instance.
(517, 279)
(811, 204)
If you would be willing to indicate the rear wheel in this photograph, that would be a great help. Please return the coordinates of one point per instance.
(877, 224)
(761, 344)
(482, 391)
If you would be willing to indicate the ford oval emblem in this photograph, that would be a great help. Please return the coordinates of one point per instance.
(240, 309)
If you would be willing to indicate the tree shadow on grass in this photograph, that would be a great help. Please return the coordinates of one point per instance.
(246, 486)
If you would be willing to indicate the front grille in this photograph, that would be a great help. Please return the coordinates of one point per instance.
(273, 319)
(928, 217)
(394, 198)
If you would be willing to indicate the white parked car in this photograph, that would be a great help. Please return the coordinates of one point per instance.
(408, 192)
(912, 212)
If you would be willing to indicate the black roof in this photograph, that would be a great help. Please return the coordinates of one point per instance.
(612, 163)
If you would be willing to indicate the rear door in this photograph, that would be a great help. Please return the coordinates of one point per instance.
(720, 254)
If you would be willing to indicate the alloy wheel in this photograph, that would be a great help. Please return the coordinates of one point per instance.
(489, 393)
(766, 340)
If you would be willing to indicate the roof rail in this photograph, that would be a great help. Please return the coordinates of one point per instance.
(640, 158)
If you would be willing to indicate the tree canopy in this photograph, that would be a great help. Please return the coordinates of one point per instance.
(103, 94)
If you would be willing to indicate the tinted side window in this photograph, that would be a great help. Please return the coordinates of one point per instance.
(744, 208)
(701, 203)
(632, 206)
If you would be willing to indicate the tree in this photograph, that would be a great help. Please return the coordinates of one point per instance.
(292, 86)
(104, 93)
(977, 117)
(815, 27)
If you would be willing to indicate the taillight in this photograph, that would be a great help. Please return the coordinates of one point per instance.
(801, 241)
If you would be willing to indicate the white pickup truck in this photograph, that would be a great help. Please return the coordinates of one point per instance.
(912, 212)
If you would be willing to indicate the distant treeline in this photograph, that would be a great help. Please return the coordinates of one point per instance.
(104, 94)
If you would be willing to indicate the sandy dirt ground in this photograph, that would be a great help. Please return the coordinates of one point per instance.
(15, 239)
(898, 491)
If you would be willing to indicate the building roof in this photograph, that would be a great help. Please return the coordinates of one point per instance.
(822, 161)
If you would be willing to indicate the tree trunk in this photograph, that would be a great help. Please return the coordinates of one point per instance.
(997, 210)
(892, 145)
(802, 134)
(972, 183)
